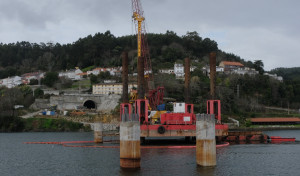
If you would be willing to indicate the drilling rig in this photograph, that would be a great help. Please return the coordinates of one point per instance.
(181, 122)
(155, 96)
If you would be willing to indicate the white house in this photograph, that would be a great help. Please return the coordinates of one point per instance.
(73, 74)
(29, 76)
(166, 71)
(206, 69)
(114, 71)
(245, 70)
(11, 82)
(179, 70)
(279, 78)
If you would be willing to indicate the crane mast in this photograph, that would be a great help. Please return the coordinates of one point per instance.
(155, 96)
(142, 45)
(139, 20)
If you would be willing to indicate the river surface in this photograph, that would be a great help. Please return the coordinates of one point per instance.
(17, 158)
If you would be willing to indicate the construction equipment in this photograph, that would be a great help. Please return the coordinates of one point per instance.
(155, 96)
(160, 123)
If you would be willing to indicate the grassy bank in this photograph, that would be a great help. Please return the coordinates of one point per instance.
(17, 124)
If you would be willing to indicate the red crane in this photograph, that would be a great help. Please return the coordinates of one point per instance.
(155, 96)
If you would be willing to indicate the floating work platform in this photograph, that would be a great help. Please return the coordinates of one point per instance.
(278, 139)
(160, 130)
(246, 137)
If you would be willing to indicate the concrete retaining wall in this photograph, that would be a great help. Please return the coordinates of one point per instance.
(72, 101)
(40, 104)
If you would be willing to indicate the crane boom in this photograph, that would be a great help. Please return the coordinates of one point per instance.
(139, 20)
(142, 45)
(155, 96)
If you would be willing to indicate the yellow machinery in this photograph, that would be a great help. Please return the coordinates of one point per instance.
(139, 20)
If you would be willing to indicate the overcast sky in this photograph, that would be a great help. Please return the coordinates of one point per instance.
(267, 30)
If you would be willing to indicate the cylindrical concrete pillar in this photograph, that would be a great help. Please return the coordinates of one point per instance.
(206, 142)
(98, 135)
(130, 152)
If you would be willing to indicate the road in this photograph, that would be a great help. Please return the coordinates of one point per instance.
(31, 114)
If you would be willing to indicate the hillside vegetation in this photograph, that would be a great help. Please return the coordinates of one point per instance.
(104, 49)
(240, 95)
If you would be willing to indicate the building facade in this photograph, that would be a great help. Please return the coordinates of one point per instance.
(71, 74)
(229, 66)
(12, 81)
(179, 70)
(114, 71)
(166, 71)
(111, 88)
(274, 76)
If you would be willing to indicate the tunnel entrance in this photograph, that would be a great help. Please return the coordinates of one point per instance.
(89, 104)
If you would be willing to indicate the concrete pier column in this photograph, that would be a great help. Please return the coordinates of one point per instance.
(130, 152)
(206, 142)
(98, 129)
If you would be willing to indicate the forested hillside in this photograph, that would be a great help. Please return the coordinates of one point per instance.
(288, 74)
(104, 49)
(239, 94)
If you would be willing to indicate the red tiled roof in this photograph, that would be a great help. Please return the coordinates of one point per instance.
(232, 63)
(82, 74)
(276, 119)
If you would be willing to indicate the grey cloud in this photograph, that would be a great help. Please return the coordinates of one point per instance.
(251, 29)
(27, 14)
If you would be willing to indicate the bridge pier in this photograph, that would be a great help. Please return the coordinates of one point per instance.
(130, 152)
(206, 141)
(98, 132)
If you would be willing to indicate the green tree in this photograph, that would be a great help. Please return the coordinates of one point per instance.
(50, 78)
(259, 66)
(94, 79)
(104, 75)
(10, 98)
(34, 82)
(26, 90)
(38, 93)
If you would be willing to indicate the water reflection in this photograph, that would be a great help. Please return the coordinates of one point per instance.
(207, 171)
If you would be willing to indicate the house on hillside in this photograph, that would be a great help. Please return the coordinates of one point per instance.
(230, 66)
(114, 71)
(274, 76)
(111, 88)
(31, 76)
(179, 70)
(244, 71)
(206, 69)
(166, 71)
(71, 74)
(11, 82)
(82, 75)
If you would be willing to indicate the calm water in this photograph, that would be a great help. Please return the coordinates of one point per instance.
(19, 159)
